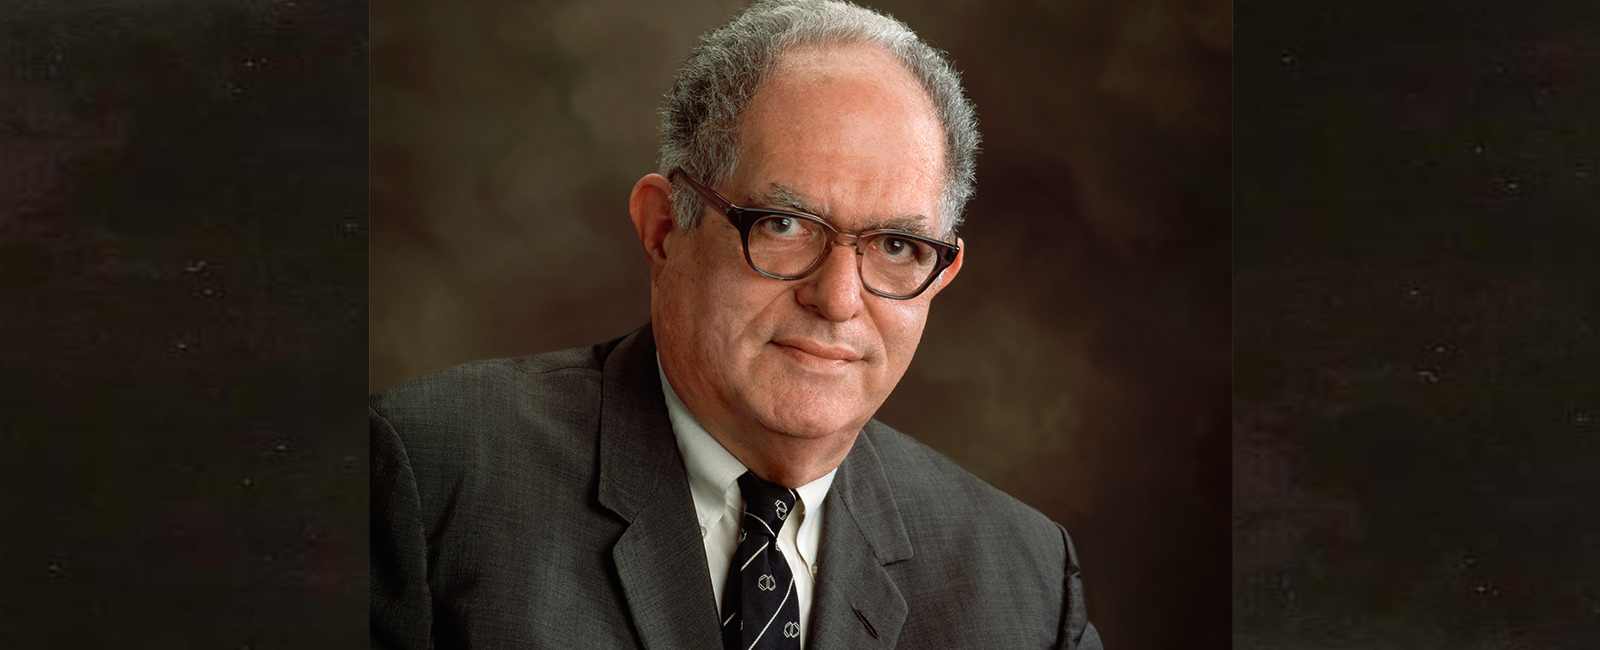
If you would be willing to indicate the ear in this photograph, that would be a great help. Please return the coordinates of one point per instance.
(650, 207)
(948, 275)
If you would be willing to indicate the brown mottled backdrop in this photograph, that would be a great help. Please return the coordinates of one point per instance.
(1080, 362)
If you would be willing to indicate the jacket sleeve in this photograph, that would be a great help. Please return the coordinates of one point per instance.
(1077, 633)
(401, 606)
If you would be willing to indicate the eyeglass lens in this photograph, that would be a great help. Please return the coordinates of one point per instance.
(789, 245)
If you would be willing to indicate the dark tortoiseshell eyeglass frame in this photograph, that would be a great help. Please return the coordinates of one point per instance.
(743, 219)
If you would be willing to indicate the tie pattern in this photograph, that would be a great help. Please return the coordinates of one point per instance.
(759, 606)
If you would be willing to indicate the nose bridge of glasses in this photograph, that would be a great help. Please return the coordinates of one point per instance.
(846, 239)
(855, 262)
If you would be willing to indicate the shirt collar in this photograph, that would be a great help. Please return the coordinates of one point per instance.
(813, 493)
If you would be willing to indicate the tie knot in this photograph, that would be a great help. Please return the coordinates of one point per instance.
(768, 502)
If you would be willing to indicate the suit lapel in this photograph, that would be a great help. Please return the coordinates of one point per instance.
(659, 558)
(861, 533)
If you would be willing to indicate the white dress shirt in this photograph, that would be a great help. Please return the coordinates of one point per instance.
(719, 504)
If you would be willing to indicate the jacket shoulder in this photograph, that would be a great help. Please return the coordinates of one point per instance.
(487, 413)
(930, 489)
(486, 383)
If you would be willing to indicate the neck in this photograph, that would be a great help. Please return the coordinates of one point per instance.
(790, 461)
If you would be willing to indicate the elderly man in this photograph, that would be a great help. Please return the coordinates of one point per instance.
(716, 477)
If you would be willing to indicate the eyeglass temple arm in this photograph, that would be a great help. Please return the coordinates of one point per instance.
(705, 192)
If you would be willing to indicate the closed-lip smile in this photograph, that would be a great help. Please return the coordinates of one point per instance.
(830, 352)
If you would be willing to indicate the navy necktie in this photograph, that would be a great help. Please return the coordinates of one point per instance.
(759, 606)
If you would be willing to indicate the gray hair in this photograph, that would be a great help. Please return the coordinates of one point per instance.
(700, 123)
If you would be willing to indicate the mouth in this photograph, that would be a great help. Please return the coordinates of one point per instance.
(818, 351)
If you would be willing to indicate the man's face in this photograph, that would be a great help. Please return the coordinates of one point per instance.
(850, 134)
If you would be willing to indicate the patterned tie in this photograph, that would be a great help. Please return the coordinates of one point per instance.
(759, 609)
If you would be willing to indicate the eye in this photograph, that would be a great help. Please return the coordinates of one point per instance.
(788, 226)
(896, 247)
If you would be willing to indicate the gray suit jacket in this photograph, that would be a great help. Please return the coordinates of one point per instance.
(541, 502)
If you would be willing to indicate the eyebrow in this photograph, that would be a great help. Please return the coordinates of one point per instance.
(780, 197)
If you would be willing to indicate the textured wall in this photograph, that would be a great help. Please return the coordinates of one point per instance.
(1080, 362)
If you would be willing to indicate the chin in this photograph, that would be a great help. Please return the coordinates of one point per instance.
(803, 414)
(804, 403)
(809, 428)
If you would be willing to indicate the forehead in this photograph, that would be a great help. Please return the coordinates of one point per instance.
(849, 130)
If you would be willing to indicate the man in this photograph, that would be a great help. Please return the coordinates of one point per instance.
(716, 478)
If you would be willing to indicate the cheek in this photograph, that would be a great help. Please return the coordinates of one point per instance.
(900, 325)
(718, 301)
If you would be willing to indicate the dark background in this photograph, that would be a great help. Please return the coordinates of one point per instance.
(182, 324)
(1416, 303)
(1080, 362)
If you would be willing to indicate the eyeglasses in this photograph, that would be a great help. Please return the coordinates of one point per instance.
(791, 245)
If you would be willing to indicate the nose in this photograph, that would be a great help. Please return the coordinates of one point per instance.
(834, 289)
